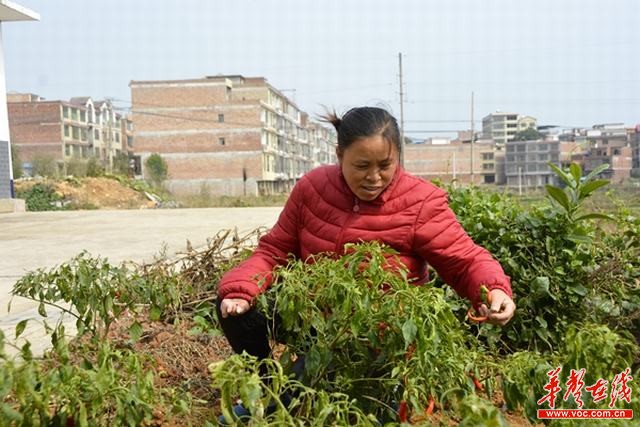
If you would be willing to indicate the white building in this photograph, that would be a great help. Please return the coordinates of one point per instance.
(9, 11)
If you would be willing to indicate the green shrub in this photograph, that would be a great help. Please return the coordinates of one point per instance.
(94, 167)
(41, 197)
(44, 165)
(157, 169)
(76, 167)
(16, 163)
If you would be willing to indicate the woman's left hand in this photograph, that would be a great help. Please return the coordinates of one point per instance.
(501, 310)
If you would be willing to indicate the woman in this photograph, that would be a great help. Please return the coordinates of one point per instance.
(367, 196)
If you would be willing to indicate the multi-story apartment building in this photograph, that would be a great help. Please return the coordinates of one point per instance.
(527, 163)
(228, 135)
(502, 127)
(62, 130)
(635, 152)
(610, 144)
(452, 160)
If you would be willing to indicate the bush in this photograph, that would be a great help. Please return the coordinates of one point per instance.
(368, 333)
(94, 167)
(121, 164)
(44, 165)
(76, 167)
(41, 197)
(157, 169)
(562, 269)
(16, 163)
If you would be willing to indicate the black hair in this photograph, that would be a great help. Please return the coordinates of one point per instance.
(363, 122)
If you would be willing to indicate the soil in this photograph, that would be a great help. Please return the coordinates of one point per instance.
(93, 193)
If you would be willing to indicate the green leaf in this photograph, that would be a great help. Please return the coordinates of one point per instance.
(596, 171)
(10, 414)
(155, 313)
(312, 361)
(559, 196)
(592, 186)
(25, 351)
(595, 216)
(135, 331)
(576, 171)
(41, 310)
(579, 289)
(541, 285)
(578, 238)
(563, 175)
(541, 321)
(409, 330)
(20, 327)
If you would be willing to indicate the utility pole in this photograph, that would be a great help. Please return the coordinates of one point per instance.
(401, 112)
(472, 140)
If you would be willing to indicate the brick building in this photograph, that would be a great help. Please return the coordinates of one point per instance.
(611, 144)
(452, 160)
(635, 152)
(61, 130)
(226, 135)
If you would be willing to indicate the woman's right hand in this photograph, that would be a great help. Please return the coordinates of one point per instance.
(233, 307)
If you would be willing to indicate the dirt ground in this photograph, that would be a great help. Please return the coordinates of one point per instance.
(94, 193)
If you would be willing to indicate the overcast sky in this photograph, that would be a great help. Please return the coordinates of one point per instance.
(565, 62)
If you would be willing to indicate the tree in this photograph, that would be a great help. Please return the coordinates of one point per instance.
(44, 165)
(157, 169)
(16, 162)
(529, 134)
(94, 167)
(121, 164)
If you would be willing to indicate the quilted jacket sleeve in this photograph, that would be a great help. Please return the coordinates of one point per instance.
(442, 242)
(254, 275)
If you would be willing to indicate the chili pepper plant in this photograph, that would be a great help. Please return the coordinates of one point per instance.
(365, 331)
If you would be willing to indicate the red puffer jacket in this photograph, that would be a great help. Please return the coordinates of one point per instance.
(411, 215)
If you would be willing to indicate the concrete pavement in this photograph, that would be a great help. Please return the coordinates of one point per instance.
(33, 240)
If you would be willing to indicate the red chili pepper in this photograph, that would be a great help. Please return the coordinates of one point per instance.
(478, 319)
(432, 405)
(410, 350)
(476, 382)
(403, 412)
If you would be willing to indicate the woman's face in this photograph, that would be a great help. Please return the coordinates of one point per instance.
(368, 165)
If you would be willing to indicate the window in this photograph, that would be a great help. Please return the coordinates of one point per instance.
(67, 131)
(221, 141)
(68, 150)
(117, 137)
(83, 116)
(220, 118)
(487, 156)
(96, 135)
(616, 152)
